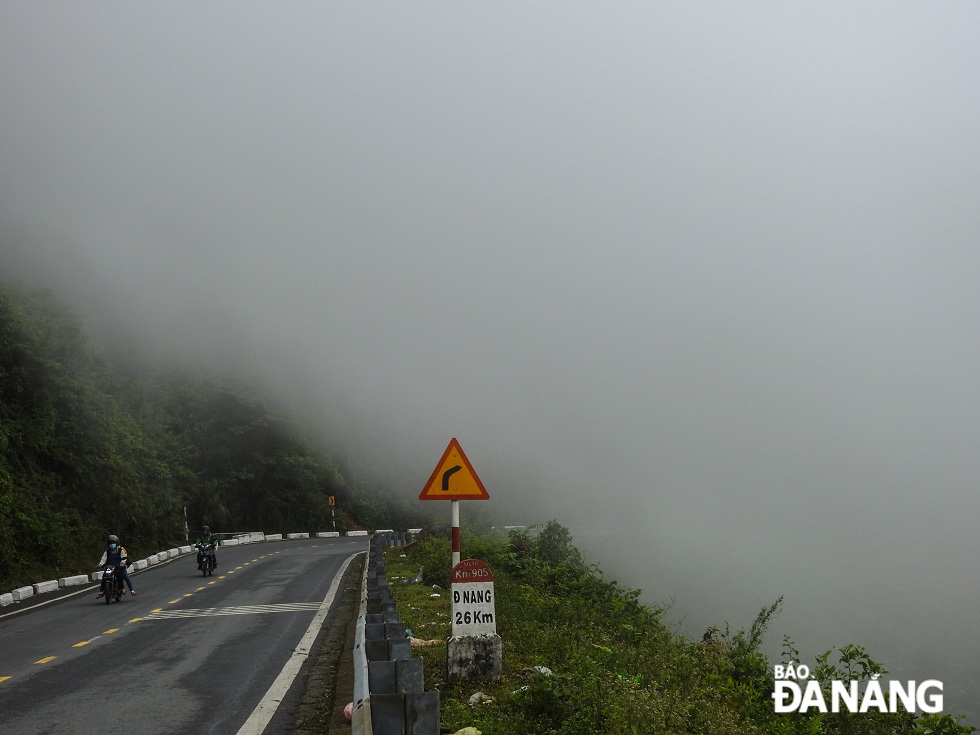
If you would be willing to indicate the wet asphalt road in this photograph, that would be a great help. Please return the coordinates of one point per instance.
(187, 655)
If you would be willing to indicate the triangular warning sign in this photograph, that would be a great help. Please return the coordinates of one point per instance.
(454, 478)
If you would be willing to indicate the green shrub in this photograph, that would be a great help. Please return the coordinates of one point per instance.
(432, 557)
(615, 668)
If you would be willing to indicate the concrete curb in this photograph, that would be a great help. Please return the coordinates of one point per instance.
(72, 581)
(49, 586)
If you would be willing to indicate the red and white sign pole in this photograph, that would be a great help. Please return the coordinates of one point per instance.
(455, 523)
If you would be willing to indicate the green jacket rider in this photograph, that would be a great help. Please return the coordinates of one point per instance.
(206, 538)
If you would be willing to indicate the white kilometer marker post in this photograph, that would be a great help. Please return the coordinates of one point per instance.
(474, 649)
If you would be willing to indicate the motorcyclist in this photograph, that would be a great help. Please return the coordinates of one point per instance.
(115, 556)
(206, 538)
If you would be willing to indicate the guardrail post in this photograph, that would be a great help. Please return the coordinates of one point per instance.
(388, 683)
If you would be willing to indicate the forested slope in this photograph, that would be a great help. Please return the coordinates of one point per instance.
(87, 449)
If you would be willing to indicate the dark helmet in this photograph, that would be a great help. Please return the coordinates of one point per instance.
(206, 529)
(112, 541)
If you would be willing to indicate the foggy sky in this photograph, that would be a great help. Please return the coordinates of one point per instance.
(695, 277)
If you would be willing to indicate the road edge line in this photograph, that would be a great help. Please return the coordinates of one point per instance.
(266, 708)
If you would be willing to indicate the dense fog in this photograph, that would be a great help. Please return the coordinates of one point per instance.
(698, 281)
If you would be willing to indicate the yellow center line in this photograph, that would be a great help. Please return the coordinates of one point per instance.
(189, 594)
(110, 631)
(83, 643)
(135, 620)
(200, 589)
(157, 610)
(211, 582)
(46, 660)
(4, 678)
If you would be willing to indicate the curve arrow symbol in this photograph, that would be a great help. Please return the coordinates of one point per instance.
(446, 475)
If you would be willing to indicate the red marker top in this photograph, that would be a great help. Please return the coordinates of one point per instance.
(471, 570)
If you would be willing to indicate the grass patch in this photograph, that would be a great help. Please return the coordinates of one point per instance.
(582, 655)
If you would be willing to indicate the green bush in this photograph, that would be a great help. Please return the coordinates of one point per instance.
(615, 667)
(432, 557)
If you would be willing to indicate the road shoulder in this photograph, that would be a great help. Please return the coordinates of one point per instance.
(328, 683)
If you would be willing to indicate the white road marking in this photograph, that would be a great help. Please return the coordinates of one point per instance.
(207, 612)
(265, 709)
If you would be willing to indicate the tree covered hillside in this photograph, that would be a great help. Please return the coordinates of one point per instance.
(86, 451)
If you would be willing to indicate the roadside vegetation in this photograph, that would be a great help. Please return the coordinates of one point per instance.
(582, 654)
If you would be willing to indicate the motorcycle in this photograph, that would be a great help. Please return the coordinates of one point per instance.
(208, 562)
(111, 585)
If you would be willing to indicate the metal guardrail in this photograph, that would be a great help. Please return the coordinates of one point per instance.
(388, 690)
